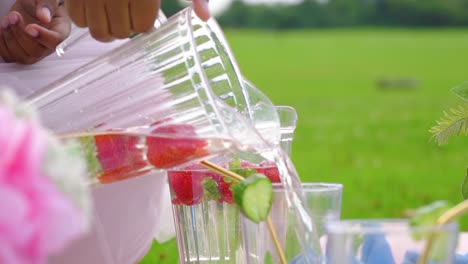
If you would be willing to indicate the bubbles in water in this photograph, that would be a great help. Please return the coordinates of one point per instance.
(182, 21)
(227, 115)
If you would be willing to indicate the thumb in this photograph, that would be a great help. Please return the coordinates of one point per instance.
(45, 10)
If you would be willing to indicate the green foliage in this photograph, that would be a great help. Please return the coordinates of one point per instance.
(162, 253)
(461, 91)
(171, 7)
(453, 123)
(312, 13)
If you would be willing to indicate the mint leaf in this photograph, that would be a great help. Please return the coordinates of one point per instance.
(246, 172)
(461, 91)
(236, 167)
(210, 189)
(227, 180)
(465, 187)
(235, 164)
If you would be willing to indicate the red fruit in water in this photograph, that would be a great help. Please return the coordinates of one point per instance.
(174, 145)
(225, 191)
(176, 201)
(160, 121)
(247, 164)
(187, 187)
(269, 169)
(115, 151)
(127, 172)
(119, 156)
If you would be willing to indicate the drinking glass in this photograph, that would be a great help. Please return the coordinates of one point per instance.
(207, 222)
(323, 201)
(207, 229)
(387, 241)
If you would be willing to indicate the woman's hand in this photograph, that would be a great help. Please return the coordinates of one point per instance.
(32, 30)
(110, 19)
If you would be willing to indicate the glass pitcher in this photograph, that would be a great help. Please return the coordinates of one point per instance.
(179, 81)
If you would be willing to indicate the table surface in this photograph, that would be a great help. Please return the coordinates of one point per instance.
(462, 248)
(400, 251)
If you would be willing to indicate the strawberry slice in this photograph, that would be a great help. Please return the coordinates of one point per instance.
(174, 145)
(247, 164)
(118, 157)
(269, 169)
(115, 151)
(225, 191)
(122, 173)
(187, 188)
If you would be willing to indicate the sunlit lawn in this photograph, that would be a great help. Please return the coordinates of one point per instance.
(373, 140)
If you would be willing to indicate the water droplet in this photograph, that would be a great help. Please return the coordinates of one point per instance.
(76, 91)
(227, 116)
(182, 21)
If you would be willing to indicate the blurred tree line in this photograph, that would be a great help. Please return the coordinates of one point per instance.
(342, 13)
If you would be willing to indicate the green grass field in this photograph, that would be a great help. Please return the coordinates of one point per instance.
(374, 141)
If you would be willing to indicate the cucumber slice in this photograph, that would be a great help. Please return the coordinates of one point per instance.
(254, 196)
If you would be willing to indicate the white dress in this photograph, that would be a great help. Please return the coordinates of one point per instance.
(128, 215)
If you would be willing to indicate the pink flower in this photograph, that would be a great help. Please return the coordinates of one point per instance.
(36, 218)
